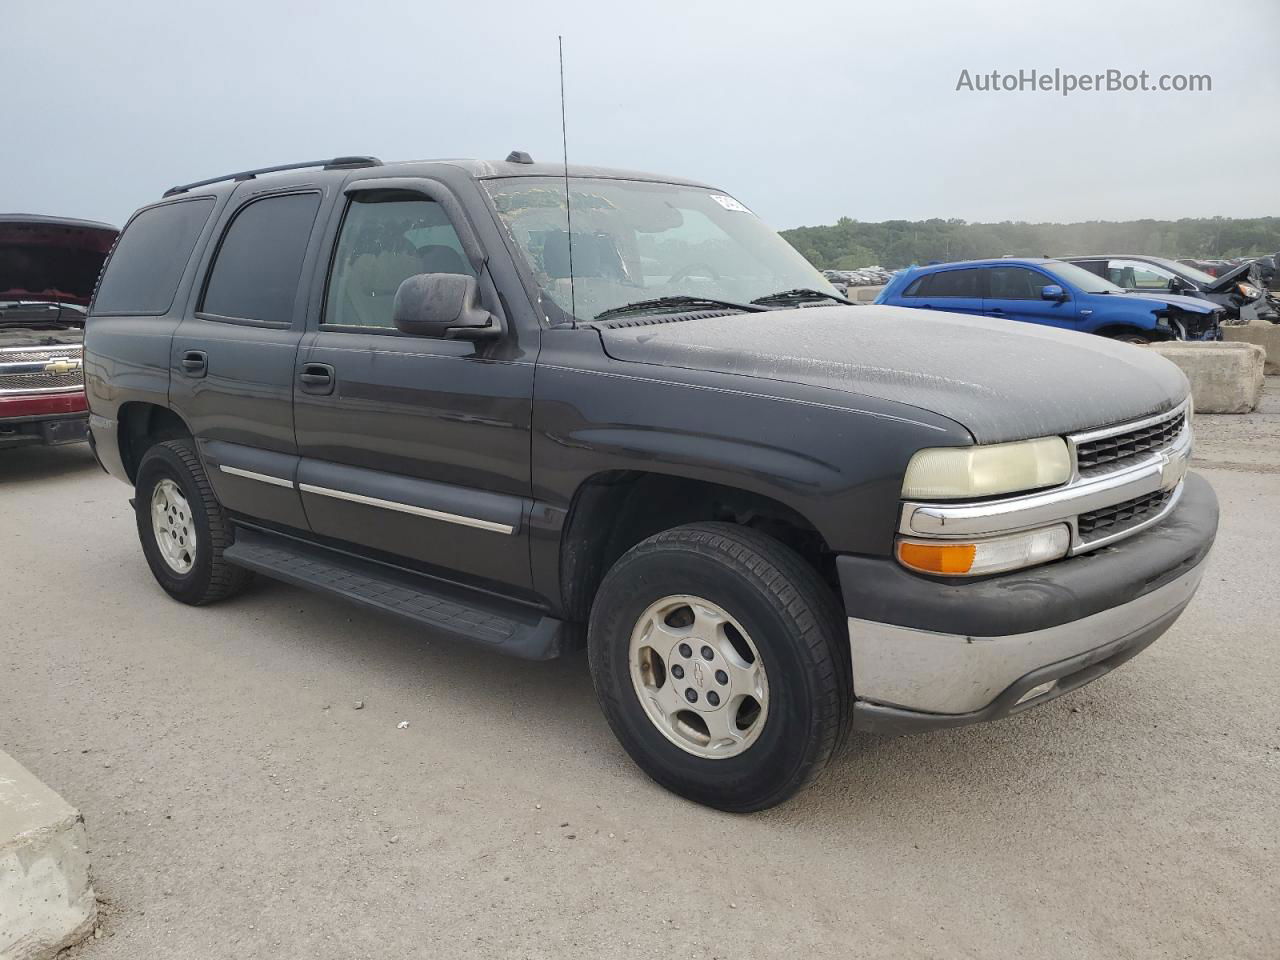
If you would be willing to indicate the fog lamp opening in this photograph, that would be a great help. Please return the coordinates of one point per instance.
(1038, 690)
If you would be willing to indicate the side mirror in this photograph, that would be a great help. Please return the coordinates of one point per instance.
(445, 305)
(1052, 291)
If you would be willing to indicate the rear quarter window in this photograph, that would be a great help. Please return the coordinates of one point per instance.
(143, 273)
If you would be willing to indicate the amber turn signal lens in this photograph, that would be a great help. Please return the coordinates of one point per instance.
(991, 555)
(952, 558)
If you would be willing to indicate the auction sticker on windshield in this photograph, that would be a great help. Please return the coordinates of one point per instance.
(729, 203)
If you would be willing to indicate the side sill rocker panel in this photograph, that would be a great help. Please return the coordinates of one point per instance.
(445, 610)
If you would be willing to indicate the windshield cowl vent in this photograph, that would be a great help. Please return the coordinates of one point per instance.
(623, 322)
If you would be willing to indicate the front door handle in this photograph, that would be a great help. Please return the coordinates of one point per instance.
(195, 363)
(316, 378)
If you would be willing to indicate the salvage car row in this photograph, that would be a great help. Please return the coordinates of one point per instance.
(48, 268)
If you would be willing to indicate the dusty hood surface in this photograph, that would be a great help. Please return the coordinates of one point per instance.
(1001, 380)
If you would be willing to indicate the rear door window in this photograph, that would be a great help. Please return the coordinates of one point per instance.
(143, 273)
(255, 275)
(953, 283)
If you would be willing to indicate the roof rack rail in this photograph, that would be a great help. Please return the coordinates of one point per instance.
(337, 163)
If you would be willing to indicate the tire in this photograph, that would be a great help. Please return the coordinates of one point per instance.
(1135, 338)
(193, 573)
(788, 618)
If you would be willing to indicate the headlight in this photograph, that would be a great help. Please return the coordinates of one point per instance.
(1248, 291)
(945, 473)
(993, 555)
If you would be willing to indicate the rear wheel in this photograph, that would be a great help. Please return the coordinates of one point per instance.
(182, 527)
(720, 660)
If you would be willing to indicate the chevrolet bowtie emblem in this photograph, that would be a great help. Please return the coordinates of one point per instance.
(1172, 470)
(61, 365)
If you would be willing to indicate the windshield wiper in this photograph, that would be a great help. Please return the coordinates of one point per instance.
(799, 295)
(675, 303)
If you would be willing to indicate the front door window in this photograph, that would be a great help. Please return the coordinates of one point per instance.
(387, 238)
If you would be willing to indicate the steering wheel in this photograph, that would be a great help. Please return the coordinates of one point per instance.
(688, 269)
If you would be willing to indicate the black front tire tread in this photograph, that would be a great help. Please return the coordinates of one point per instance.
(794, 587)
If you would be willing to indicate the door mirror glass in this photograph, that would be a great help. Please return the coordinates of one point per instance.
(1052, 291)
(443, 305)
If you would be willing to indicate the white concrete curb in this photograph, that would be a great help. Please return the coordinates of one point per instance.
(46, 897)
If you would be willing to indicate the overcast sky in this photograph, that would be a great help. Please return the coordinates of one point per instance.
(805, 110)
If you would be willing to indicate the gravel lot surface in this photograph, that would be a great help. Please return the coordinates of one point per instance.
(240, 806)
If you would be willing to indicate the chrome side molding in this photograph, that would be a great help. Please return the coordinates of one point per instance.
(408, 508)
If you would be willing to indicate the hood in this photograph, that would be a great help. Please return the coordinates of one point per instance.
(1245, 273)
(1189, 304)
(51, 260)
(1001, 380)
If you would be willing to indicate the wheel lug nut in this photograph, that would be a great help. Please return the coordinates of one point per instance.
(677, 671)
(721, 677)
(686, 650)
(707, 653)
(691, 695)
(713, 698)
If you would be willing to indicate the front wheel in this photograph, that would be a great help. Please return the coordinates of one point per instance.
(182, 527)
(1138, 339)
(719, 660)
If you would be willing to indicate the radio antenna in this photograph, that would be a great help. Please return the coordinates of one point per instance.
(568, 214)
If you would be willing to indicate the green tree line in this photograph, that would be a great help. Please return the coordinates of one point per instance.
(849, 244)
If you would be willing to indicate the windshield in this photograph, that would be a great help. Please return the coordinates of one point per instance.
(636, 240)
(1198, 277)
(1081, 278)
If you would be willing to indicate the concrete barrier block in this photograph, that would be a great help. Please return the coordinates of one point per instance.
(47, 901)
(1265, 335)
(1225, 377)
(864, 294)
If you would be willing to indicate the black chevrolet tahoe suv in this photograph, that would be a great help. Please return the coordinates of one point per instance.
(649, 427)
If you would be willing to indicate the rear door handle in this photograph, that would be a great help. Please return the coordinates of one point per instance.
(195, 363)
(316, 378)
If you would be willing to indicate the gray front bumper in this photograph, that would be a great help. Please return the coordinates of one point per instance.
(929, 653)
(909, 679)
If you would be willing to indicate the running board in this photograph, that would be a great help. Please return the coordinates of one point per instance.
(444, 609)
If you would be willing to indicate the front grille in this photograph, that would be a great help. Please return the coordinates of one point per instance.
(1109, 453)
(71, 351)
(29, 381)
(1121, 516)
(40, 381)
